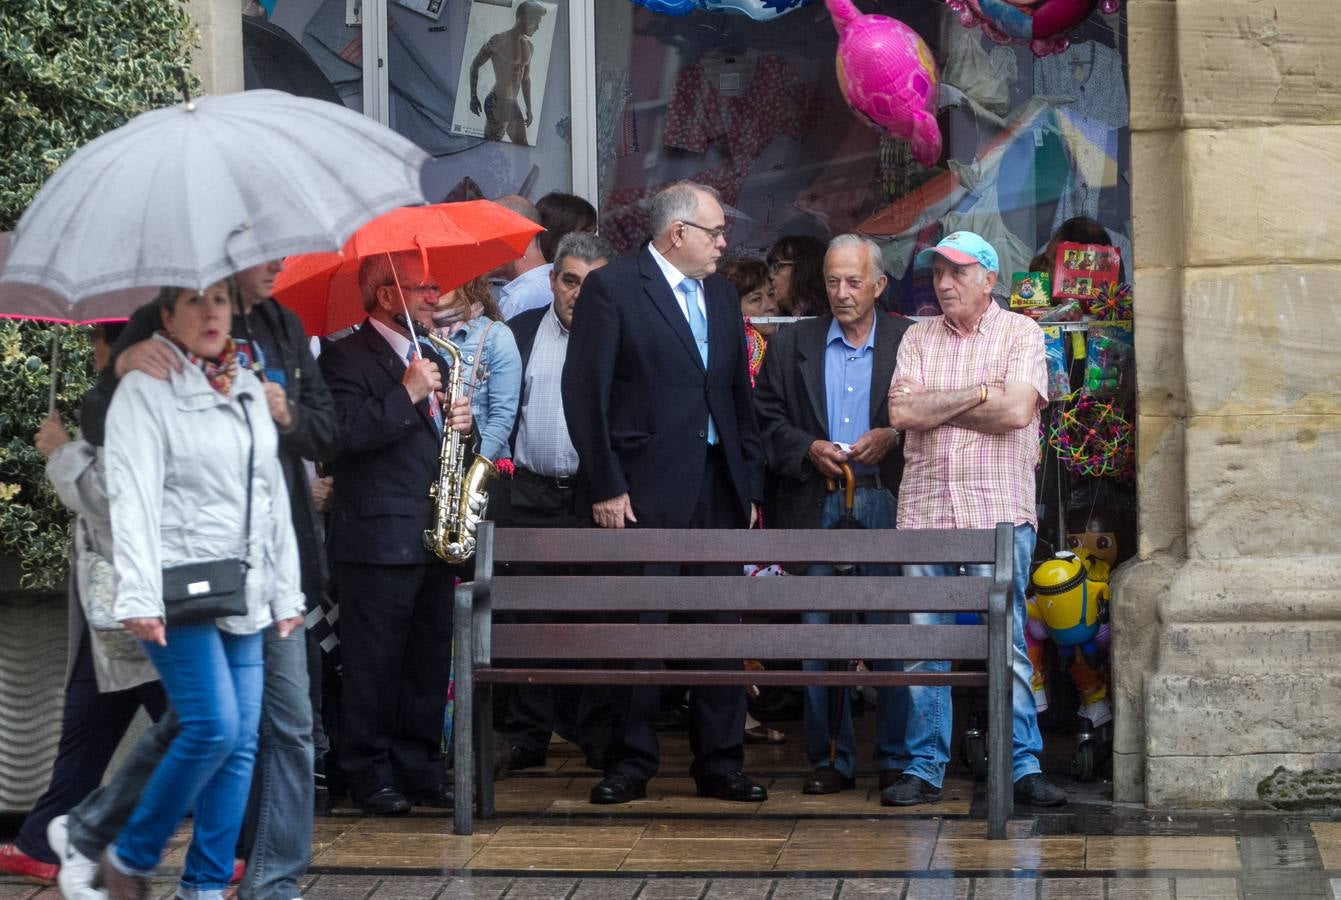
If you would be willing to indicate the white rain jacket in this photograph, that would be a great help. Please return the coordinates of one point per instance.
(176, 460)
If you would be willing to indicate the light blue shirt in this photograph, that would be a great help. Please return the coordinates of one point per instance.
(847, 387)
(497, 387)
(529, 290)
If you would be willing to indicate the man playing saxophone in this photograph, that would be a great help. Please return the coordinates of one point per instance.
(395, 595)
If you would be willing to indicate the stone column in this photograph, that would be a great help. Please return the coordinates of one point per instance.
(1227, 628)
(218, 59)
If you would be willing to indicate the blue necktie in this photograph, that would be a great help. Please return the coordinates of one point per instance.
(698, 326)
(434, 407)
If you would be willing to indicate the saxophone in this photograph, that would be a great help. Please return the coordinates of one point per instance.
(459, 500)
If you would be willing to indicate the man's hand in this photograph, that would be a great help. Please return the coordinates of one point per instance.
(528, 118)
(285, 627)
(51, 435)
(827, 458)
(905, 386)
(459, 418)
(148, 630)
(323, 490)
(153, 358)
(421, 376)
(278, 404)
(754, 514)
(873, 446)
(475, 107)
(613, 513)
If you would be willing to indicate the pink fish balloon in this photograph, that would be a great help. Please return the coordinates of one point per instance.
(888, 77)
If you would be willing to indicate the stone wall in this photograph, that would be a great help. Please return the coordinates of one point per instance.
(1227, 628)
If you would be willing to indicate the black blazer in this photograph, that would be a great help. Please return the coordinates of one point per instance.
(791, 403)
(637, 397)
(524, 327)
(388, 457)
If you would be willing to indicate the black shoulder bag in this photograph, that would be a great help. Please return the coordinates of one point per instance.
(204, 591)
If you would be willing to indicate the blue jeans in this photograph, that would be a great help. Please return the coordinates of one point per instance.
(277, 831)
(929, 721)
(873, 508)
(213, 680)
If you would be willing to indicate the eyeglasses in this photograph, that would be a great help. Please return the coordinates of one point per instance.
(427, 287)
(778, 265)
(712, 233)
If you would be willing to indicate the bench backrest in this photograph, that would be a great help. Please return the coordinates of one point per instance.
(610, 596)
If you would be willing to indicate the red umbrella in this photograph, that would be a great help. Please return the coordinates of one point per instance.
(458, 242)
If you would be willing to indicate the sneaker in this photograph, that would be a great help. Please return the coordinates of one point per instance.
(1099, 713)
(77, 871)
(1035, 790)
(910, 790)
(14, 861)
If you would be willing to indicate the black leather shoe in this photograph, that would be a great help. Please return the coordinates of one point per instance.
(734, 786)
(618, 789)
(385, 801)
(520, 757)
(440, 797)
(889, 776)
(827, 780)
(1035, 790)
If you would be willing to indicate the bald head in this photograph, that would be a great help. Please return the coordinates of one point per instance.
(533, 256)
(521, 206)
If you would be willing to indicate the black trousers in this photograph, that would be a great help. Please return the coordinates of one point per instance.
(92, 725)
(395, 643)
(528, 713)
(717, 713)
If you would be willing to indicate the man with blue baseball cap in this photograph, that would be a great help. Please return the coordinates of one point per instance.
(967, 390)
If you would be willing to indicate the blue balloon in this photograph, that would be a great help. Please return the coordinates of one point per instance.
(759, 10)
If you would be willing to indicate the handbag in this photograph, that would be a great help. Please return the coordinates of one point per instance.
(95, 582)
(204, 591)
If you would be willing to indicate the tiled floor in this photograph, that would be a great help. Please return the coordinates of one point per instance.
(548, 842)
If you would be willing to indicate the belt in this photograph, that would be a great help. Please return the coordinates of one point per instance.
(560, 482)
(863, 481)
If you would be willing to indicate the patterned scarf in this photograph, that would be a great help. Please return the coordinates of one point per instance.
(218, 372)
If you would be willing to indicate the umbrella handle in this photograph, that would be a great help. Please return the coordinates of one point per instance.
(849, 489)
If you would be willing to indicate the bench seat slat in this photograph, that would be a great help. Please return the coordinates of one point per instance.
(638, 641)
(702, 676)
(700, 546)
(691, 593)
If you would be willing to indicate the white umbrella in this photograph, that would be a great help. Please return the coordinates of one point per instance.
(187, 195)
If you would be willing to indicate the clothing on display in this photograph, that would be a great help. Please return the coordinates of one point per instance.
(984, 76)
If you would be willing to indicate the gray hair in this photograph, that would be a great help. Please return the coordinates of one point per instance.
(876, 257)
(585, 246)
(376, 271)
(677, 202)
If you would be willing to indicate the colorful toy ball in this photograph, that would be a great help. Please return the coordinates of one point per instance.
(888, 77)
(1042, 24)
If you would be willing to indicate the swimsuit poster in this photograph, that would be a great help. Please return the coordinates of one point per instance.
(502, 81)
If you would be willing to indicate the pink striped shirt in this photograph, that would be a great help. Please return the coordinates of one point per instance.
(956, 477)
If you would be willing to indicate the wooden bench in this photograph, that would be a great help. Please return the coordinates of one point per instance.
(490, 652)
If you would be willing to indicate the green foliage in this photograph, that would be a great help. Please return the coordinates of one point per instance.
(70, 70)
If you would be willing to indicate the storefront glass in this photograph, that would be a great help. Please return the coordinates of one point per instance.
(432, 46)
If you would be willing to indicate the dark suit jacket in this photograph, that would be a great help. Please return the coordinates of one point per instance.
(388, 458)
(637, 397)
(524, 327)
(790, 400)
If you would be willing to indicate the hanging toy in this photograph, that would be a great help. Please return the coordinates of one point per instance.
(1092, 438)
(1042, 24)
(888, 77)
(759, 10)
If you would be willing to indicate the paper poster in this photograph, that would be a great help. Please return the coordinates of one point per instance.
(502, 81)
(430, 8)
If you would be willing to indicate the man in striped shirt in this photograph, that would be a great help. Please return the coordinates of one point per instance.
(967, 390)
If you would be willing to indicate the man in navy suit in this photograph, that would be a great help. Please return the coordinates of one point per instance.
(656, 392)
(395, 596)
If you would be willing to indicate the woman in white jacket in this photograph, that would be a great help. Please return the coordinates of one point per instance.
(177, 455)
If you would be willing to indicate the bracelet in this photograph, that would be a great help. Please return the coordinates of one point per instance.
(982, 395)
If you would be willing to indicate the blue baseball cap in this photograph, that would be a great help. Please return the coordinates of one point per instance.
(963, 248)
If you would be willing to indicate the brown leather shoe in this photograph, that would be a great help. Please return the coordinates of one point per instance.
(889, 776)
(827, 780)
(119, 885)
